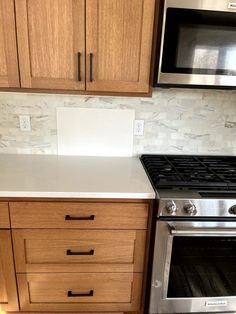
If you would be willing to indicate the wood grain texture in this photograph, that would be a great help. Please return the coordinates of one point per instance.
(119, 35)
(77, 92)
(4, 215)
(50, 34)
(9, 73)
(8, 292)
(52, 215)
(46, 250)
(48, 292)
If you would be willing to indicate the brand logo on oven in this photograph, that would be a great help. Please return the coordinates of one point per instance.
(232, 5)
(216, 303)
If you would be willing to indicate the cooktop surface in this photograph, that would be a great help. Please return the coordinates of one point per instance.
(191, 172)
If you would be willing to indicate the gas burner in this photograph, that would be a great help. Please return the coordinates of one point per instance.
(191, 172)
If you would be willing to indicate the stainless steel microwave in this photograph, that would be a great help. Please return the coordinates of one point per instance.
(198, 44)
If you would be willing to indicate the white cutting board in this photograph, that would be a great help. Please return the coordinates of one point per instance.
(95, 132)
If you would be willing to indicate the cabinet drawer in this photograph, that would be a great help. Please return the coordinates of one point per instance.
(4, 215)
(79, 292)
(83, 215)
(79, 250)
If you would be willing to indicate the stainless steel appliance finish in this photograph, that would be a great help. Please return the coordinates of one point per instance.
(193, 268)
(166, 232)
(187, 207)
(211, 54)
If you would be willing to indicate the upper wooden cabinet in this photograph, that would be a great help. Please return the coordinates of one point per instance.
(119, 44)
(8, 293)
(9, 75)
(51, 43)
(78, 45)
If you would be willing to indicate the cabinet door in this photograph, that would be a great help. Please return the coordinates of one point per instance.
(9, 74)
(8, 294)
(51, 43)
(119, 44)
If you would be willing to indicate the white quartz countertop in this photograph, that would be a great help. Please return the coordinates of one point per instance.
(73, 177)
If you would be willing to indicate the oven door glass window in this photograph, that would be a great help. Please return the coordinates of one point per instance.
(202, 267)
(199, 42)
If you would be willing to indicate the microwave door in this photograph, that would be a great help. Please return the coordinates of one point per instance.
(198, 47)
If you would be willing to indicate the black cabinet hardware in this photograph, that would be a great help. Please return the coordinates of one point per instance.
(79, 66)
(74, 295)
(91, 67)
(69, 252)
(91, 217)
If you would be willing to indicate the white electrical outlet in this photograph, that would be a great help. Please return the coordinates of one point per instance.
(138, 127)
(25, 124)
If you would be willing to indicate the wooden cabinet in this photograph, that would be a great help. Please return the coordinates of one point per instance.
(119, 43)
(80, 292)
(80, 256)
(4, 215)
(8, 292)
(77, 45)
(74, 256)
(51, 43)
(82, 215)
(9, 74)
(80, 251)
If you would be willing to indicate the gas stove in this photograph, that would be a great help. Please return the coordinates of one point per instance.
(196, 186)
(194, 254)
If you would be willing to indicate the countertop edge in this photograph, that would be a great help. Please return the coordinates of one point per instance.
(12, 194)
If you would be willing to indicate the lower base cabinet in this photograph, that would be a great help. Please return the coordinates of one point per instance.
(80, 257)
(80, 292)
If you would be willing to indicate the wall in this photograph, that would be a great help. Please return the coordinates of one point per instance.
(177, 121)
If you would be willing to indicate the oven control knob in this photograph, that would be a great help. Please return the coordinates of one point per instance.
(171, 208)
(190, 209)
(232, 210)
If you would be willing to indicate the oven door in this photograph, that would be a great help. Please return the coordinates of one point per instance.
(199, 43)
(194, 267)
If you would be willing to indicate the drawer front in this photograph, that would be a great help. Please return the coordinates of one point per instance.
(79, 292)
(4, 215)
(79, 250)
(83, 215)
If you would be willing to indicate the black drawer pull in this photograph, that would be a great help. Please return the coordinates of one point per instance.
(91, 67)
(68, 217)
(79, 65)
(69, 252)
(74, 295)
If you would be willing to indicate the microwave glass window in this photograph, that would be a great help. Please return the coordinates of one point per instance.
(202, 267)
(200, 42)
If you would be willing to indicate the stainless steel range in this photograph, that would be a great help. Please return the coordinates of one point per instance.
(194, 264)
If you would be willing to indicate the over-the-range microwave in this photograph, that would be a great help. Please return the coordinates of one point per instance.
(198, 44)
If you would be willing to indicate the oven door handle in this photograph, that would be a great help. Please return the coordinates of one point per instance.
(202, 232)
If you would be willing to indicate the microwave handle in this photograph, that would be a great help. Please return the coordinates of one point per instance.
(202, 232)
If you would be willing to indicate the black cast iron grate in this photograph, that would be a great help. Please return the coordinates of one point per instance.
(192, 172)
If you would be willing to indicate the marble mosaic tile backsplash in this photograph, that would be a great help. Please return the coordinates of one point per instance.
(177, 121)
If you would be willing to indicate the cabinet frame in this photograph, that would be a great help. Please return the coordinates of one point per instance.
(7, 266)
(10, 45)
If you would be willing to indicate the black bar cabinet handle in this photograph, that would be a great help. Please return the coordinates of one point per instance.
(68, 217)
(74, 295)
(79, 66)
(69, 252)
(91, 67)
